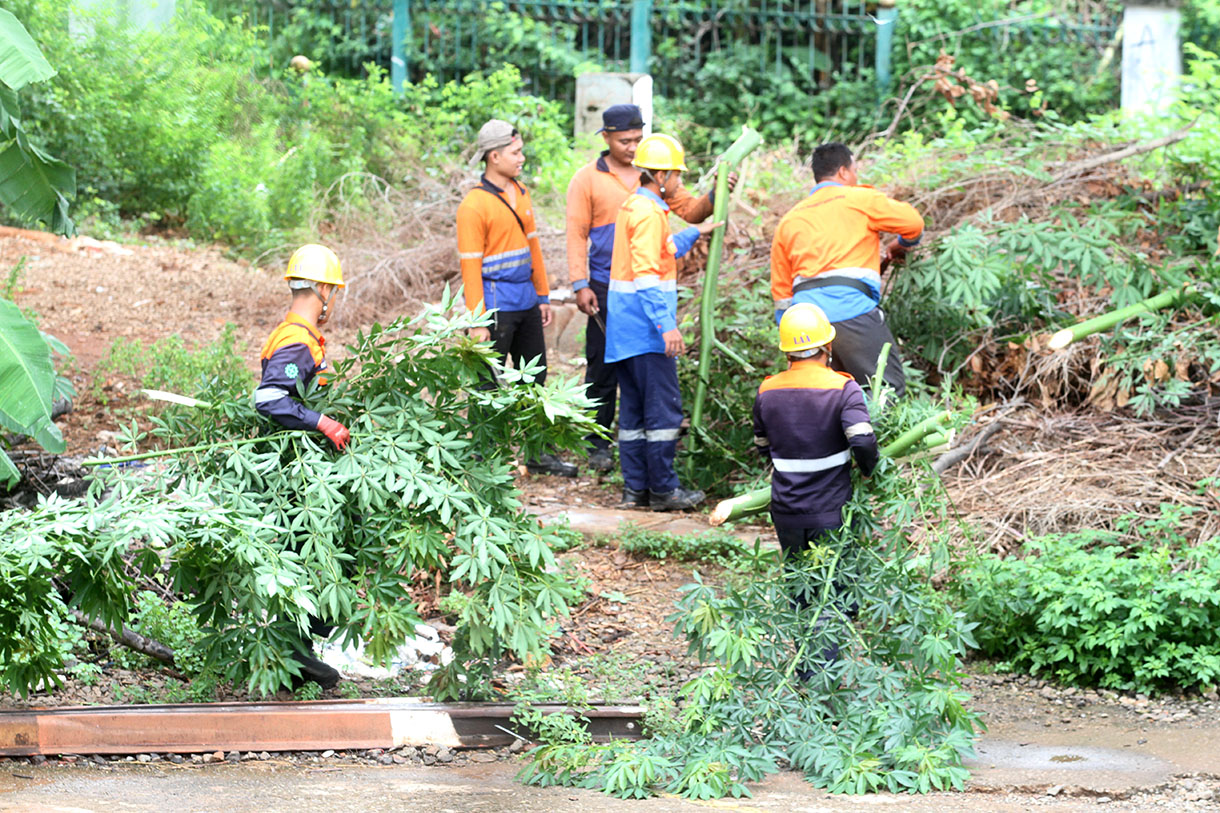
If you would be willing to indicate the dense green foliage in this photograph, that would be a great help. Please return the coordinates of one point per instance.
(1134, 608)
(888, 714)
(176, 125)
(303, 530)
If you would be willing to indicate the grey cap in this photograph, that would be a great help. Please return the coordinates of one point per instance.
(494, 135)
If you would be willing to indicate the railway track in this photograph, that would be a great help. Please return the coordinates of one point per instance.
(287, 726)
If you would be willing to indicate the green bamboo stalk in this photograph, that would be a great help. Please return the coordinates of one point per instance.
(755, 502)
(747, 142)
(1106, 321)
(899, 446)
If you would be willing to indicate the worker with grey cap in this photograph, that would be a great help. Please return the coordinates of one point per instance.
(595, 195)
(501, 260)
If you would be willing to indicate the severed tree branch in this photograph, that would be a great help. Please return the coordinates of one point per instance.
(132, 640)
(1078, 167)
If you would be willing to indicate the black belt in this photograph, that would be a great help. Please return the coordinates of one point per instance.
(827, 281)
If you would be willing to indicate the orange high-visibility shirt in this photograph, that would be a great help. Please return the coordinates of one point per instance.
(501, 259)
(836, 231)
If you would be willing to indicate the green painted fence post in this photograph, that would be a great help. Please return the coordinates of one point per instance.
(398, 49)
(887, 21)
(641, 35)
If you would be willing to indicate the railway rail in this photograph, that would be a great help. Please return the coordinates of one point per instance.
(282, 726)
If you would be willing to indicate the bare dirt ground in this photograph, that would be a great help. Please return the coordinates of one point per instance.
(1040, 736)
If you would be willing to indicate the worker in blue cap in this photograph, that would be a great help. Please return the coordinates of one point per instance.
(595, 195)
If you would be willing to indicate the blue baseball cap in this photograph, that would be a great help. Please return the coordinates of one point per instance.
(622, 117)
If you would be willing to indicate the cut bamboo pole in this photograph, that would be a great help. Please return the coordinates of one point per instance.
(1109, 320)
(755, 502)
(747, 142)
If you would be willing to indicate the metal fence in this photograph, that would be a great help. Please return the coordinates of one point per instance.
(548, 39)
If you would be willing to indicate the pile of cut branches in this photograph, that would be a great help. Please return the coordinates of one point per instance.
(260, 529)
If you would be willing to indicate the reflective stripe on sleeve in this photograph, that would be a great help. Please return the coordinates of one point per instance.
(783, 304)
(264, 394)
(862, 428)
(531, 235)
(470, 255)
(797, 465)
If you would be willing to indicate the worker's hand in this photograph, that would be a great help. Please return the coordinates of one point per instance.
(894, 252)
(334, 430)
(547, 316)
(674, 346)
(480, 334)
(733, 177)
(586, 301)
(706, 228)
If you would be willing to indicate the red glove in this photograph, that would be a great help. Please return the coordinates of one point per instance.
(334, 430)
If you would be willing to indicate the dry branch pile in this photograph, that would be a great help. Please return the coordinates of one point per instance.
(1050, 473)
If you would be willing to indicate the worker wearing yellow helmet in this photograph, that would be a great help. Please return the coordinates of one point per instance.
(295, 351)
(292, 357)
(642, 337)
(809, 422)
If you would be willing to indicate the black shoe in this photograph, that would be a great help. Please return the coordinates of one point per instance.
(601, 460)
(633, 498)
(677, 500)
(550, 464)
(314, 670)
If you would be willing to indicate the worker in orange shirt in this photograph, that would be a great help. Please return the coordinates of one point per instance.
(827, 251)
(642, 336)
(595, 196)
(501, 258)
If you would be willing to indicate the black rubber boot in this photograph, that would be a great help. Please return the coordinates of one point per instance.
(601, 460)
(314, 670)
(680, 499)
(550, 464)
(633, 498)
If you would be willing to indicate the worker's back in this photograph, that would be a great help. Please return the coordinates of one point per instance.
(812, 418)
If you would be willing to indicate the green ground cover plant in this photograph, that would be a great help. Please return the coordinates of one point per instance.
(888, 714)
(216, 367)
(1131, 608)
(303, 530)
(714, 547)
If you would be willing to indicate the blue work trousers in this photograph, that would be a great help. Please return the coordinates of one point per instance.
(649, 420)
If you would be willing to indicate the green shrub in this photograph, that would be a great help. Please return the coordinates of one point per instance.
(1133, 608)
(167, 364)
(174, 625)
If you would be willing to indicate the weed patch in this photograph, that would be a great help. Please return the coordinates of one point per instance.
(1133, 608)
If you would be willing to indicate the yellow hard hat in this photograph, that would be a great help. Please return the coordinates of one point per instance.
(660, 152)
(315, 263)
(804, 327)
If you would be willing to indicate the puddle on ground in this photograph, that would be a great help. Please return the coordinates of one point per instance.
(1066, 758)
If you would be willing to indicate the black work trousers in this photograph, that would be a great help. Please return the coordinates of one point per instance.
(518, 335)
(857, 346)
(601, 378)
